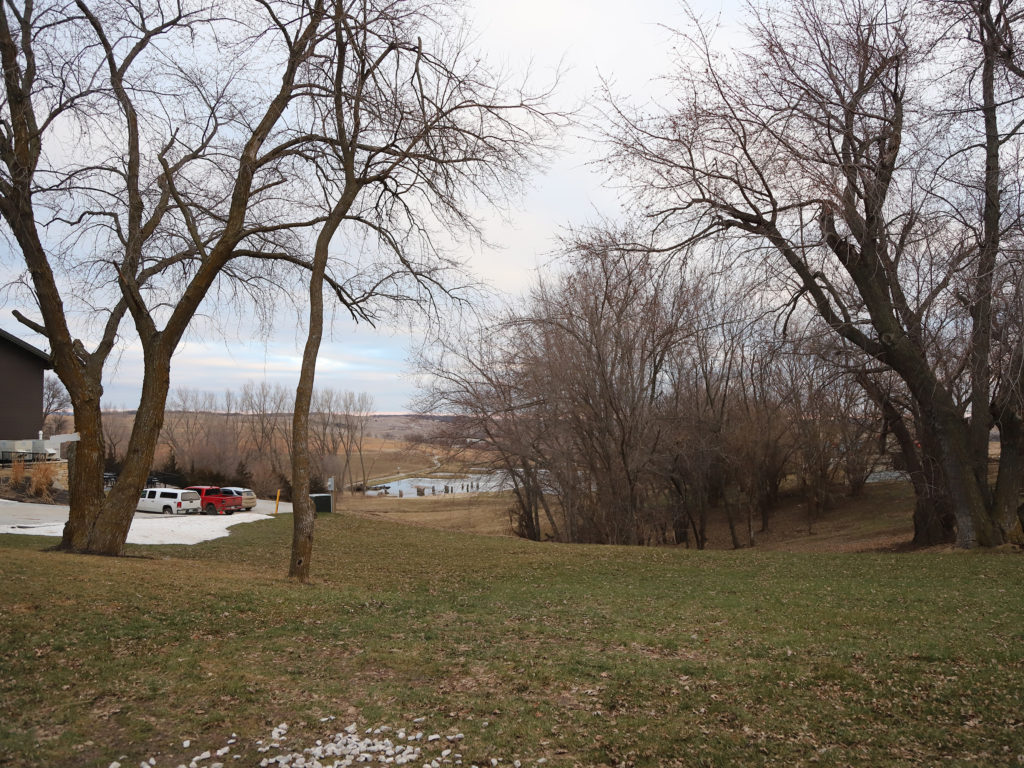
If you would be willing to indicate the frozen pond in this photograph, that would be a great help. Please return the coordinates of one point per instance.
(887, 476)
(476, 482)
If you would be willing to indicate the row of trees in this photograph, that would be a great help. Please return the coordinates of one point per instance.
(864, 158)
(627, 401)
(166, 155)
(249, 433)
(858, 161)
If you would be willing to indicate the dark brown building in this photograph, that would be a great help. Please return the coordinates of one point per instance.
(21, 388)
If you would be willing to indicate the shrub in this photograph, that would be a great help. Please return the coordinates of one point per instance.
(17, 471)
(43, 475)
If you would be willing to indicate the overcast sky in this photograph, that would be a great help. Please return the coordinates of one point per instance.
(624, 42)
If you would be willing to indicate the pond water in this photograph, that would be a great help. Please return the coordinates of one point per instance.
(486, 481)
(475, 482)
(887, 476)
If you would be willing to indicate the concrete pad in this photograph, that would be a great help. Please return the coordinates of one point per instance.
(49, 519)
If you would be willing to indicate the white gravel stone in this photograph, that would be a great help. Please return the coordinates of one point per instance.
(342, 750)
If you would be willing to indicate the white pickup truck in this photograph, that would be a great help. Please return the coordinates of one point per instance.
(169, 501)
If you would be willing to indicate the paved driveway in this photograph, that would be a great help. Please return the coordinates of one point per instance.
(49, 519)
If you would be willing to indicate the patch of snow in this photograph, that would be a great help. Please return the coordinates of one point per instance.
(346, 748)
(49, 519)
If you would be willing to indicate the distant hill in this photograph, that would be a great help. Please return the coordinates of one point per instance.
(403, 426)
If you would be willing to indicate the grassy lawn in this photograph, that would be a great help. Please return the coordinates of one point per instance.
(578, 655)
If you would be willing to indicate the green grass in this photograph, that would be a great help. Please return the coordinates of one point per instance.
(581, 655)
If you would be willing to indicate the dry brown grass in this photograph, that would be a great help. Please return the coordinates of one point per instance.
(386, 459)
(878, 520)
(881, 518)
(480, 513)
(41, 484)
(17, 471)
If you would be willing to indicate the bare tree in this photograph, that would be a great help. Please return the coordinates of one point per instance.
(827, 152)
(479, 375)
(227, 437)
(326, 431)
(116, 432)
(56, 403)
(567, 391)
(404, 130)
(696, 410)
(166, 174)
(759, 424)
(815, 425)
(187, 429)
(265, 412)
(358, 410)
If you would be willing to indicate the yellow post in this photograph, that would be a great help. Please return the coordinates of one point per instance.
(278, 502)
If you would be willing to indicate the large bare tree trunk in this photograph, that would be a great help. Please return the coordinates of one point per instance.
(85, 477)
(98, 522)
(974, 524)
(1007, 503)
(303, 514)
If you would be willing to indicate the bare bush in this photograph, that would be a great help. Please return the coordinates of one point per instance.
(41, 484)
(17, 471)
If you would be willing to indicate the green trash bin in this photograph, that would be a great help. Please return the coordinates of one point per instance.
(321, 503)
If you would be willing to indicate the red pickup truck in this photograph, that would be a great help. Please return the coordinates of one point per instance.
(216, 502)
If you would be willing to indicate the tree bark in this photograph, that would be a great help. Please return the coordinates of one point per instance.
(85, 477)
(1007, 505)
(303, 514)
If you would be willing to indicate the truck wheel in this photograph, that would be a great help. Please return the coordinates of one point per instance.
(167, 510)
(210, 510)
